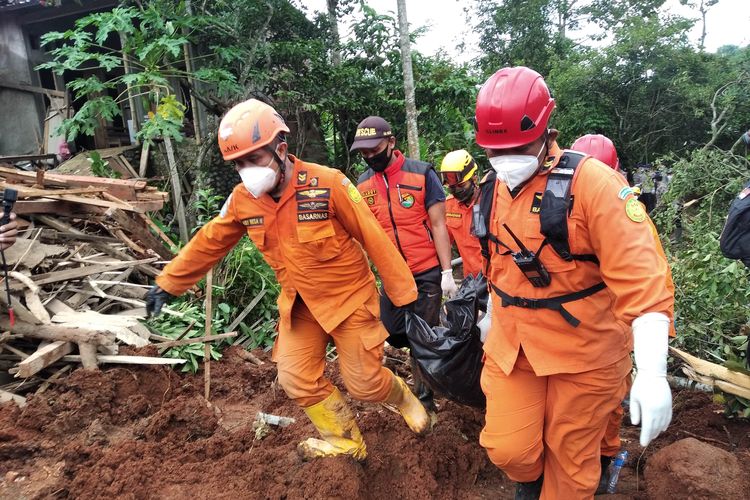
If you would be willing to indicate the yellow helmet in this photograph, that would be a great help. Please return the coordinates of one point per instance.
(457, 167)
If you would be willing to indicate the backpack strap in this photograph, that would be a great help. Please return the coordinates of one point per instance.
(557, 205)
(480, 223)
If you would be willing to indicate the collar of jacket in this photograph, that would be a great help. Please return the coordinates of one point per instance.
(395, 166)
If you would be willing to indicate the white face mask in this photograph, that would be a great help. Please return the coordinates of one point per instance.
(514, 170)
(257, 179)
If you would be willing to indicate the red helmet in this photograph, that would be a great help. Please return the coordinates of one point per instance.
(600, 147)
(513, 108)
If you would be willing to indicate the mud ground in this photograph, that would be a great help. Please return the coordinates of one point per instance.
(147, 432)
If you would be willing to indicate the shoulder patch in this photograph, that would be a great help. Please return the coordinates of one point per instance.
(634, 210)
(624, 192)
(225, 207)
(353, 193)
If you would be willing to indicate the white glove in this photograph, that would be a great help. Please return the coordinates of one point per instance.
(650, 397)
(485, 323)
(448, 284)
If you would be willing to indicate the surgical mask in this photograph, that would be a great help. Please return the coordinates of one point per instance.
(380, 161)
(258, 180)
(514, 170)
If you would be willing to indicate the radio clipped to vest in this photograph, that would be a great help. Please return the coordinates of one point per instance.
(529, 264)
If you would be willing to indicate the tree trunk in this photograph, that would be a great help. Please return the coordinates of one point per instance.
(411, 106)
(333, 19)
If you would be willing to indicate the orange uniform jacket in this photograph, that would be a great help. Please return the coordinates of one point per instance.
(602, 223)
(458, 219)
(397, 198)
(313, 238)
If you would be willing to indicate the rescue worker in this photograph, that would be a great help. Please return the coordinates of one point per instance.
(408, 201)
(311, 225)
(460, 175)
(8, 232)
(564, 322)
(600, 147)
(603, 149)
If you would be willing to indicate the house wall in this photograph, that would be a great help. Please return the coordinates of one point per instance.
(20, 128)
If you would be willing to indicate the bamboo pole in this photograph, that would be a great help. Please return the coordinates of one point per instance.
(207, 345)
(179, 208)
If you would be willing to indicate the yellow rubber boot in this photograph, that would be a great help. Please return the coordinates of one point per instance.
(335, 422)
(408, 405)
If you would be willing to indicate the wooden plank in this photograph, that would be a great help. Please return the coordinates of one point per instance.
(6, 396)
(55, 235)
(138, 230)
(31, 88)
(197, 340)
(166, 239)
(58, 332)
(80, 272)
(60, 208)
(128, 360)
(29, 192)
(125, 189)
(144, 160)
(97, 202)
(128, 166)
(43, 357)
(88, 356)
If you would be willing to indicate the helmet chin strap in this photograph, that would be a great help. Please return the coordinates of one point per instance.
(282, 168)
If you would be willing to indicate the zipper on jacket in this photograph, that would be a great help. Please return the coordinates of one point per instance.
(390, 212)
(427, 228)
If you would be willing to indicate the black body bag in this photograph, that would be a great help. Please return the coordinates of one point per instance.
(449, 356)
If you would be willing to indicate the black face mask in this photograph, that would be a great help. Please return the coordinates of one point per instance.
(380, 161)
(464, 194)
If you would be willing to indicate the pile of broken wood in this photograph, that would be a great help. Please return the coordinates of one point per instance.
(78, 274)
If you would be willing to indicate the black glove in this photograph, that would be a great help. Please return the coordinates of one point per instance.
(155, 299)
(411, 307)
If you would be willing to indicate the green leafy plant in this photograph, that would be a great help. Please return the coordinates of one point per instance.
(712, 297)
(100, 167)
(153, 37)
(207, 206)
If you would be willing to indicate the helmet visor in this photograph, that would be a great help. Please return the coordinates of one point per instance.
(452, 178)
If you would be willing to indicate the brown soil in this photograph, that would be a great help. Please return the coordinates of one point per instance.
(148, 433)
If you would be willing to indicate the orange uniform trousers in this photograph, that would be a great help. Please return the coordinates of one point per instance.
(300, 350)
(552, 424)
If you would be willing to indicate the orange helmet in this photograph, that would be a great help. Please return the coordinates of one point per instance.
(248, 126)
(600, 147)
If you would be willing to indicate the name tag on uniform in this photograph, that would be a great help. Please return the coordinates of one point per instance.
(253, 221)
